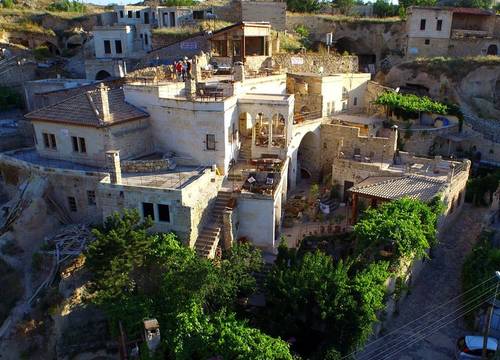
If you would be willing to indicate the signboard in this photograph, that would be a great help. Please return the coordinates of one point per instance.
(413, 51)
(297, 60)
(189, 45)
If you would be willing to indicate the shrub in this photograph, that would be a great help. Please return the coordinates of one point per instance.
(9, 98)
(7, 4)
(41, 53)
(67, 6)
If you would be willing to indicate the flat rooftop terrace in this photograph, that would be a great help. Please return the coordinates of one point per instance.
(165, 179)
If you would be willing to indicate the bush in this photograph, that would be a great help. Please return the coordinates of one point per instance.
(9, 98)
(7, 4)
(67, 6)
(41, 53)
(10, 287)
(409, 106)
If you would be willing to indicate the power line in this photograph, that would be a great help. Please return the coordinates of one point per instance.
(419, 318)
(469, 304)
(397, 351)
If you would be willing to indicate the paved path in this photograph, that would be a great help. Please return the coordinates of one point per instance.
(438, 282)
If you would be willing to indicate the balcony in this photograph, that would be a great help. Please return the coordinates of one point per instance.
(464, 33)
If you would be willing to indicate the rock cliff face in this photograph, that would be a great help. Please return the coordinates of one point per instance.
(371, 39)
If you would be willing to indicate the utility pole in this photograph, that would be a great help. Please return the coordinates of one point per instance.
(489, 314)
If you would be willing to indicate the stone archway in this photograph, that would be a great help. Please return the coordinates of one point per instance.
(492, 50)
(101, 75)
(304, 159)
(357, 47)
(53, 49)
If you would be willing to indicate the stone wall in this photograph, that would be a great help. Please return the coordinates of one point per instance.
(167, 51)
(341, 141)
(372, 92)
(273, 12)
(311, 62)
(382, 39)
(63, 183)
(137, 166)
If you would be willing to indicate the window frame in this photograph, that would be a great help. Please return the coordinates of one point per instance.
(91, 198)
(107, 47)
(130, 14)
(72, 204)
(439, 25)
(423, 23)
(118, 47)
(138, 14)
(210, 142)
(160, 212)
(121, 14)
(144, 211)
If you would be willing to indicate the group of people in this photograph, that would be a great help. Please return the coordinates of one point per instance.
(182, 69)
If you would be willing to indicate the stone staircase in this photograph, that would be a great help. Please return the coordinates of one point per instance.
(246, 149)
(208, 239)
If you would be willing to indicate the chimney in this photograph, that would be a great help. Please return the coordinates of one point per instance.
(239, 72)
(103, 92)
(113, 166)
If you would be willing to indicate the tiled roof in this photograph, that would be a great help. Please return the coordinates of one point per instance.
(396, 187)
(86, 109)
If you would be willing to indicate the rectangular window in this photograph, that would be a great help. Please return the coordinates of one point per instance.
(46, 141)
(129, 14)
(107, 47)
(146, 41)
(121, 14)
(163, 213)
(146, 18)
(422, 24)
(74, 141)
(219, 47)
(78, 144)
(439, 25)
(210, 142)
(148, 210)
(83, 146)
(53, 144)
(72, 204)
(138, 14)
(355, 101)
(427, 42)
(118, 46)
(91, 197)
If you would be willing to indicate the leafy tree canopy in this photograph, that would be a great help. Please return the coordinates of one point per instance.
(304, 5)
(314, 292)
(138, 275)
(408, 225)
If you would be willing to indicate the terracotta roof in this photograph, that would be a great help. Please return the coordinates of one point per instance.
(86, 109)
(472, 11)
(397, 187)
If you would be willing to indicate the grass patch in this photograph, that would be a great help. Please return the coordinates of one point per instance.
(455, 68)
(350, 19)
(289, 42)
(187, 31)
(10, 288)
(25, 26)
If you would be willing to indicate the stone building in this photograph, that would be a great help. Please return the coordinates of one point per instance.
(444, 31)
(273, 12)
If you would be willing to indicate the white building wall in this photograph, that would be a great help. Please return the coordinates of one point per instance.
(431, 17)
(123, 33)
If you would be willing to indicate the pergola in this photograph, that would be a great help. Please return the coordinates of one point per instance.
(379, 189)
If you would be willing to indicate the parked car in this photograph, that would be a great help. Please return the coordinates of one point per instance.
(471, 347)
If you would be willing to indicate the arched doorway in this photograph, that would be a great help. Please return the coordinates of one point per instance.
(307, 159)
(358, 47)
(492, 50)
(101, 75)
(53, 49)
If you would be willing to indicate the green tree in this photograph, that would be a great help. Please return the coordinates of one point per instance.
(384, 8)
(404, 4)
(481, 4)
(138, 275)
(179, 2)
(304, 5)
(344, 6)
(408, 225)
(313, 292)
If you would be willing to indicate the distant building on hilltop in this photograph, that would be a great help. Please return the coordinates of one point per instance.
(447, 31)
